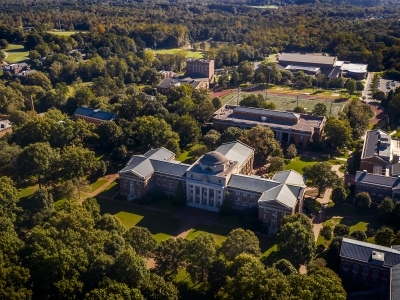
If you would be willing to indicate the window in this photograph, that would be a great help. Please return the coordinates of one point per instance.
(365, 270)
(191, 175)
(301, 137)
(219, 181)
(345, 266)
(208, 169)
(265, 215)
(237, 198)
(252, 195)
(237, 193)
(356, 268)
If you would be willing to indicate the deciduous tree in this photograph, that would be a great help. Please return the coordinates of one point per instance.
(141, 240)
(363, 200)
(240, 241)
(320, 176)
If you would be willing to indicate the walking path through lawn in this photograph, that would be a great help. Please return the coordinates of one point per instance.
(317, 221)
(110, 178)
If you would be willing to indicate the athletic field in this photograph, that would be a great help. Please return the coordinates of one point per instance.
(290, 102)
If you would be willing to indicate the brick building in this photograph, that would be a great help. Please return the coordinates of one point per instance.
(167, 83)
(227, 169)
(373, 266)
(288, 127)
(94, 116)
(200, 68)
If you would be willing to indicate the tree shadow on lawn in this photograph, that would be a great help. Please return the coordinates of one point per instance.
(133, 215)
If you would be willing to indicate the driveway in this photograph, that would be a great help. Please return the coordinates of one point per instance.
(366, 90)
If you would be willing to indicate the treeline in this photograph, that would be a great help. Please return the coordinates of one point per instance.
(360, 34)
(75, 252)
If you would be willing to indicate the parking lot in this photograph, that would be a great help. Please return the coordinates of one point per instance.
(385, 85)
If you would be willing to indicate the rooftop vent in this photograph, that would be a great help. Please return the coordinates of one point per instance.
(378, 257)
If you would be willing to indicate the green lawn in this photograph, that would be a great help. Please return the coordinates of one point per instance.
(59, 203)
(186, 156)
(218, 232)
(190, 53)
(16, 53)
(268, 245)
(363, 221)
(27, 191)
(62, 33)
(161, 225)
(298, 163)
(97, 184)
(166, 205)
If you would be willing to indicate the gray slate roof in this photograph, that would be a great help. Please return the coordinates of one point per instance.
(362, 251)
(281, 194)
(95, 113)
(251, 183)
(160, 153)
(235, 151)
(157, 160)
(289, 177)
(267, 112)
(372, 144)
(381, 180)
(304, 58)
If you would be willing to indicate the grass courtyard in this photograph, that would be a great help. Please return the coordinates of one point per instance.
(299, 162)
(16, 53)
(284, 102)
(161, 225)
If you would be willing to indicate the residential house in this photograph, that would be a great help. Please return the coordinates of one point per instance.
(5, 127)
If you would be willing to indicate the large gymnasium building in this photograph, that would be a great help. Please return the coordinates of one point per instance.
(227, 169)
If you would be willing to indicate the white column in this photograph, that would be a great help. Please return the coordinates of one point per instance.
(208, 197)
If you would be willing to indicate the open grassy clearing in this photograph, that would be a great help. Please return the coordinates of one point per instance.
(16, 53)
(218, 232)
(161, 225)
(27, 191)
(62, 33)
(97, 184)
(299, 162)
(189, 53)
(110, 190)
(186, 155)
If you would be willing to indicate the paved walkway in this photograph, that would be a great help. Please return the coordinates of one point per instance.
(317, 221)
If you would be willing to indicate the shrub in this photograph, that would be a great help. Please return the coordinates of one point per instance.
(341, 230)
(326, 232)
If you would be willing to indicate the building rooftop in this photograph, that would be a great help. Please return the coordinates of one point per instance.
(236, 151)
(213, 158)
(354, 68)
(381, 180)
(95, 113)
(289, 177)
(281, 194)
(168, 82)
(304, 123)
(307, 58)
(303, 68)
(377, 143)
(250, 183)
(156, 160)
(4, 124)
(363, 252)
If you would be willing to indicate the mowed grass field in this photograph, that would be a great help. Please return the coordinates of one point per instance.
(16, 53)
(288, 102)
(62, 33)
(193, 54)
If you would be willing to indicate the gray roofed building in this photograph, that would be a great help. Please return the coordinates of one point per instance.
(251, 183)
(235, 151)
(160, 153)
(281, 194)
(377, 180)
(377, 143)
(289, 177)
(307, 59)
(363, 251)
(379, 266)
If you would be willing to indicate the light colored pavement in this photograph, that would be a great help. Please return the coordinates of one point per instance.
(366, 90)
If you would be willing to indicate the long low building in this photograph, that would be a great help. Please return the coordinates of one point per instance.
(288, 127)
(207, 182)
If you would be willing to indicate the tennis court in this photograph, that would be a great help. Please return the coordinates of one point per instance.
(290, 102)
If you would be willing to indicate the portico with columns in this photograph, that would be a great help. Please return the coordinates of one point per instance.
(204, 195)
